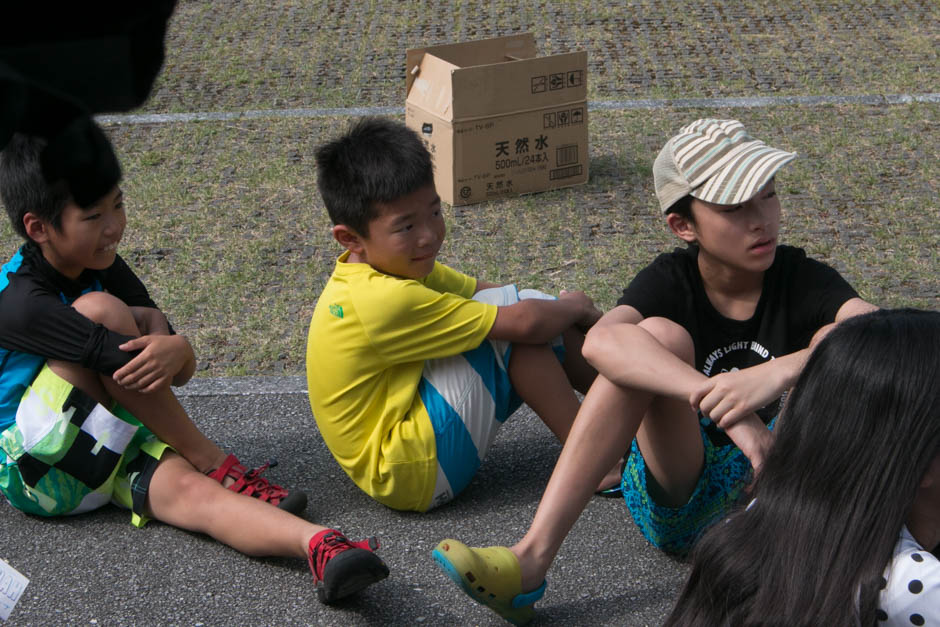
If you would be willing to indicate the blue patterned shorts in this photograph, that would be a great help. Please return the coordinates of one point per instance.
(675, 530)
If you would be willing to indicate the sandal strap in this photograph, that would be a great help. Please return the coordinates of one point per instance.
(329, 543)
(528, 598)
(248, 482)
(226, 469)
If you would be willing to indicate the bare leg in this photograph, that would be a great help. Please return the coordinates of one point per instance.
(539, 379)
(670, 441)
(160, 411)
(546, 386)
(609, 418)
(580, 373)
(598, 439)
(183, 497)
(672, 451)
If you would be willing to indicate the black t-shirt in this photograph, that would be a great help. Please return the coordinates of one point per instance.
(38, 323)
(799, 296)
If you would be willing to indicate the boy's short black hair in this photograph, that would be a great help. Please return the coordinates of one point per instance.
(683, 208)
(24, 188)
(376, 160)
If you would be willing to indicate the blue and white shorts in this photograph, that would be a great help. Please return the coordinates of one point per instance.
(468, 397)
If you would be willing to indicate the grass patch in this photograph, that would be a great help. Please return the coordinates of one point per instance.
(322, 53)
(228, 231)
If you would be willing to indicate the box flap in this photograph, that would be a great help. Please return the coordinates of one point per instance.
(428, 82)
(478, 79)
(524, 85)
(430, 85)
(431, 92)
(487, 51)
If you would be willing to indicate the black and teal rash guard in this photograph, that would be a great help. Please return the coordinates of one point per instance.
(38, 323)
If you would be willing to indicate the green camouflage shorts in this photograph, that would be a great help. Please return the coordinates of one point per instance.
(66, 454)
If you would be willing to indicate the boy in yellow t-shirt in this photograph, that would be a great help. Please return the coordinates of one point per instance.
(411, 365)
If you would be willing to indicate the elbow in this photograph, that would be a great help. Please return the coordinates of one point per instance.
(185, 374)
(181, 379)
(525, 325)
(530, 329)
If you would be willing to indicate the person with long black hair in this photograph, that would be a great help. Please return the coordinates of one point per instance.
(846, 508)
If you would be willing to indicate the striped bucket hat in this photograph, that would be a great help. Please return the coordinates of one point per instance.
(715, 161)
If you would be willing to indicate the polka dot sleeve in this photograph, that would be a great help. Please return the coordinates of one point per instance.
(911, 591)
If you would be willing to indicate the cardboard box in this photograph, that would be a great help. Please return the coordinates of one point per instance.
(498, 120)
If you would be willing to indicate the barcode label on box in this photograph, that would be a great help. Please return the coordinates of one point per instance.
(563, 173)
(566, 155)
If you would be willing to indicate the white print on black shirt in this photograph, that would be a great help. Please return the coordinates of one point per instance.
(720, 353)
(732, 357)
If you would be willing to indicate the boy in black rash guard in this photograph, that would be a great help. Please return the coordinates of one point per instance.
(701, 348)
(86, 358)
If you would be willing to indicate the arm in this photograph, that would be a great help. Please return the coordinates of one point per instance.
(729, 396)
(854, 307)
(627, 354)
(150, 321)
(405, 321)
(535, 321)
(484, 285)
(121, 281)
(33, 319)
(163, 360)
(164, 357)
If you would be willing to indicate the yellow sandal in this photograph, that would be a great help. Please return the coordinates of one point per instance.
(490, 576)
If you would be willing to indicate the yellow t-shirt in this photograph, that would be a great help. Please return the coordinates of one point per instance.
(369, 337)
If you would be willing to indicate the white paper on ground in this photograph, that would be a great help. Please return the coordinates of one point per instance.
(12, 585)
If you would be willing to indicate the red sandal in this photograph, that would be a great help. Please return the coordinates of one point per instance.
(251, 483)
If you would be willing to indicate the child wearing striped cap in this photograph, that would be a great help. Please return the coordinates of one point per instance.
(693, 365)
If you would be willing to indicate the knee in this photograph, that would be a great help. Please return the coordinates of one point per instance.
(107, 310)
(820, 334)
(671, 335)
(194, 488)
(596, 341)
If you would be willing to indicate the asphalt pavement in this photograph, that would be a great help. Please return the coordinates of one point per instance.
(97, 569)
